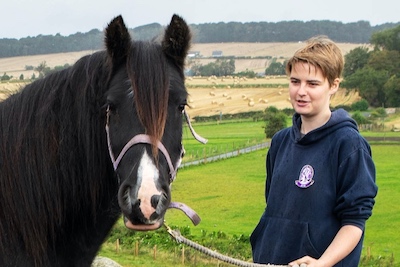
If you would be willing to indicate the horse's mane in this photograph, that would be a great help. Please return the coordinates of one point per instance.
(146, 59)
(55, 169)
(52, 154)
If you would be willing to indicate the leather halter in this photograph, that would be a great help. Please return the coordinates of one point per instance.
(145, 139)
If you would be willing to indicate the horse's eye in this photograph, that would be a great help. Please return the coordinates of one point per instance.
(181, 107)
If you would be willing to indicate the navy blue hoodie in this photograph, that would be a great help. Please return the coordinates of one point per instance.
(315, 185)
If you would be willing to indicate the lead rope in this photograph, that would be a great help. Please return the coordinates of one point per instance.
(181, 239)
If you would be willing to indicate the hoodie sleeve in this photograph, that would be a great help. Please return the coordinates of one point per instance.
(356, 188)
(271, 155)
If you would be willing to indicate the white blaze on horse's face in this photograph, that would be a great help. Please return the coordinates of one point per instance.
(147, 176)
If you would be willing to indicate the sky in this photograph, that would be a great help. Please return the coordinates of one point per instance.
(23, 18)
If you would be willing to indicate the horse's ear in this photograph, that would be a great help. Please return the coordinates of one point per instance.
(176, 41)
(118, 41)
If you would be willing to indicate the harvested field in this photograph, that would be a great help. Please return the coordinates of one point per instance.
(208, 98)
(204, 99)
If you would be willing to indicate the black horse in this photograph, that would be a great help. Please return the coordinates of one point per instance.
(60, 193)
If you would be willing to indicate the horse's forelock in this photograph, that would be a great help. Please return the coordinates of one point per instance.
(147, 69)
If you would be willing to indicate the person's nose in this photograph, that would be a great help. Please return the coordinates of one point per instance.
(302, 90)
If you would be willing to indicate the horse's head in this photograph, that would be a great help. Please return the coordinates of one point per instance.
(145, 102)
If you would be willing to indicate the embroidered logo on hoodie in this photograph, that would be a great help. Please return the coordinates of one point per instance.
(306, 177)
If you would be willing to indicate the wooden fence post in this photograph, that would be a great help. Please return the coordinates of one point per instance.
(136, 248)
(183, 255)
(117, 246)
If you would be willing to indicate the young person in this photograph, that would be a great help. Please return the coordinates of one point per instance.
(320, 185)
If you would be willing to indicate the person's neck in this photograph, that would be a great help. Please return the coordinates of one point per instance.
(310, 123)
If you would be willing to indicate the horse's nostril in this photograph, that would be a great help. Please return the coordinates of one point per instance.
(155, 199)
(125, 198)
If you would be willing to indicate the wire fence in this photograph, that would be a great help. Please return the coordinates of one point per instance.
(226, 155)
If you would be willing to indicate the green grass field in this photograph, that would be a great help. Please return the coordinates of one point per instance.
(222, 137)
(382, 230)
(229, 195)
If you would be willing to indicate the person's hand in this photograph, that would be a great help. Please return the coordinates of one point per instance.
(305, 262)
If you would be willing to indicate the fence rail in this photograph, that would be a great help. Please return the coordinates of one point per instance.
(226, 155)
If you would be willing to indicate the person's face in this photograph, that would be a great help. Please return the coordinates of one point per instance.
(309, 90)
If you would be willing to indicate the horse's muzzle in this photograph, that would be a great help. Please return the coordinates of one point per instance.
(143, 211)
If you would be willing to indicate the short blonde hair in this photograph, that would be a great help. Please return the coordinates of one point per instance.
(321, 52)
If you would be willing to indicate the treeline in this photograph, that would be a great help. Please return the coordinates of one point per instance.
(286, 31)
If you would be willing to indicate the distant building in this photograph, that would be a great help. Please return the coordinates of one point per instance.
(216, 53)
(193, 54)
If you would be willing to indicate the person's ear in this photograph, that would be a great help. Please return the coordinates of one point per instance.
(334, 86)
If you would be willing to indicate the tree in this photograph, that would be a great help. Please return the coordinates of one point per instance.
(41, 69)
(247, 73)
(356, 59)
(378, 115)
(360, 118)
(392, 89)
(370, 85)
(6, 77)
(221, 67)
(387, 40)
(385, 60)
(275, 68)
(361, 105)
(275, 120)
(195, 67)
(226, 67)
